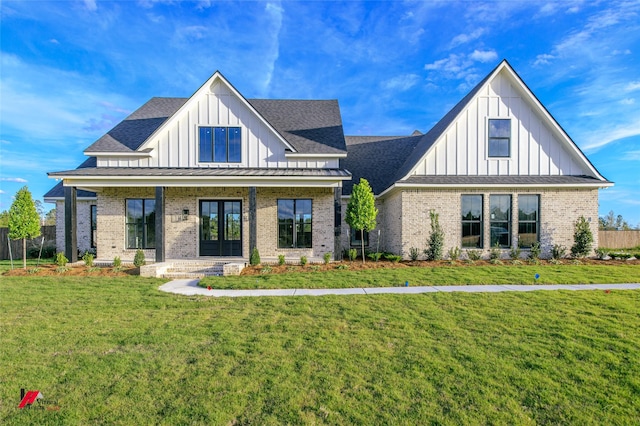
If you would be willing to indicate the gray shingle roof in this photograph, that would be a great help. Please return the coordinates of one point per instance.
(376, 158)
(58, 190)
(481, 181)
(313, 127)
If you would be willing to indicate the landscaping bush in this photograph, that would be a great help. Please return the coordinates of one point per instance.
(558, 251)
(353, 253)
(454, 253)
(138, 259)
(534, 252)
(495, 252)
(515, 252)
(61, 260)
(374, 256)
(474, 255)
(414, 253)
(327, 258)
(601, 253)
(395, 258)
(435, 244)
(303, 260)
(281, 259)
(87, 258)
(254, 259)
(582, 238)
(117, 263)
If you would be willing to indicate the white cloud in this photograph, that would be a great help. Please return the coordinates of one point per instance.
(91, 5)
(621, 52)
(484, 55)
(628, 101)
(633, 86)
(604, 136)
(543, 59)
(465, 38)
(2, 192)
(18, 180)
(401, 82)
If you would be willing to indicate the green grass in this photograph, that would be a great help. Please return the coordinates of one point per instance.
(5, 265)
(442, 275)
(118, 351)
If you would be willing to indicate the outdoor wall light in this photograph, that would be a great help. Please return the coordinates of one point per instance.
(185, 214)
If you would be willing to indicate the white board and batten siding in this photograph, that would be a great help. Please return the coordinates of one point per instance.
(536, 149)
(176, 145)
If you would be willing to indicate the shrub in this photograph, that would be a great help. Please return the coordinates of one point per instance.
(61, 260)
(494, 253)
(353, 253)
(117, 263)
(374, 256)
(534, 251)
(435, 244)
(620, 255)
(327, 258)
(395, 258)
(254, 259)
(87, 258)
(267, 269)
(303, 260)
(281, 259)
(414, 253)
(582, 238)
(343, 266)
(138, 259)
(515, 252)
(558, 251)
(474, 255)
(454, 253)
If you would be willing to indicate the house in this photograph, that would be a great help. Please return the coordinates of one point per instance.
(216, 174)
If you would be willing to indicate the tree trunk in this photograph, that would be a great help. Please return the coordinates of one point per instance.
(24, 253)
(362, 240)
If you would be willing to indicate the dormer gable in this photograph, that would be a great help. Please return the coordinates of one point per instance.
(499, 129)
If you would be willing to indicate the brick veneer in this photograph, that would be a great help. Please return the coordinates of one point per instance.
(84, 225)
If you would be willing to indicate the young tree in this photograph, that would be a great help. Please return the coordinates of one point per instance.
(435, 244)
(361, 210)
(24, 221)
(50, 217)
(4, 219)
(582, 238)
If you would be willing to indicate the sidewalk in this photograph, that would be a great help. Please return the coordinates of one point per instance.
(191, 288)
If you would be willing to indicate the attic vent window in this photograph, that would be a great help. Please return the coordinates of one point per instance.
(220, 144)
(499, 137)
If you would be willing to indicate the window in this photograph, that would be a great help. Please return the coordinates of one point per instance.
(472, 221)
(528, 219)
(294, 223)
(499, 137)
(356, 237)
(220, 144)
(94, 226)
(500, 210)
(141, 223)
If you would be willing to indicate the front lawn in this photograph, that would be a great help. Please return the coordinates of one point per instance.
(118, 351)
(438, 275)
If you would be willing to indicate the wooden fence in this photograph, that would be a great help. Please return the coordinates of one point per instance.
(49, 233)
(619, 239)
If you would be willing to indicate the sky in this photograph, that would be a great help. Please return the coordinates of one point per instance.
(71, 70)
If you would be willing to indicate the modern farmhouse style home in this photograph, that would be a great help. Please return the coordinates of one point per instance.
(215, 175)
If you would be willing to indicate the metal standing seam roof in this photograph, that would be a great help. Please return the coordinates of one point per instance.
(198, 172)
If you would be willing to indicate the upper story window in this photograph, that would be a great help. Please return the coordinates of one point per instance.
(499, 137)
(220, 144)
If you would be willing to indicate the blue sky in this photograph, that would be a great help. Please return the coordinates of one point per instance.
(71, 70)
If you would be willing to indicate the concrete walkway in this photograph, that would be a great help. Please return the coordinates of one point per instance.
(191, 288)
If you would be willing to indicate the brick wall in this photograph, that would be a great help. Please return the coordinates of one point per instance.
(407, 223)
(322, 226)
(83, 209)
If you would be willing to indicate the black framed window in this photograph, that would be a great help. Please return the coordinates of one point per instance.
(220, 144)
(356, 237)
(295, 223)
(499, 137)
(500, 210)
(94, 226)
(141, 223)
(472, 221)
(528, 220)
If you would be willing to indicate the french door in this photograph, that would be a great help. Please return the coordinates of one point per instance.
(220, 228)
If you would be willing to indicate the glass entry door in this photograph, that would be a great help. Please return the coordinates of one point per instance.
(220, 228)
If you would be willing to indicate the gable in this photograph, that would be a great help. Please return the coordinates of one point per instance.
(537, 146)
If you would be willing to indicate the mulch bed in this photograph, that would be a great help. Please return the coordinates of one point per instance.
(72, 271)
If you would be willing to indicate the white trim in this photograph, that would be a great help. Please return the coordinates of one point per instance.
(397, 185)
(138, 154)
(303, 155)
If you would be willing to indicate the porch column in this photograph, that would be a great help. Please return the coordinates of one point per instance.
(337, 209)
(253, 218)
(70, 224)
(160, 223)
